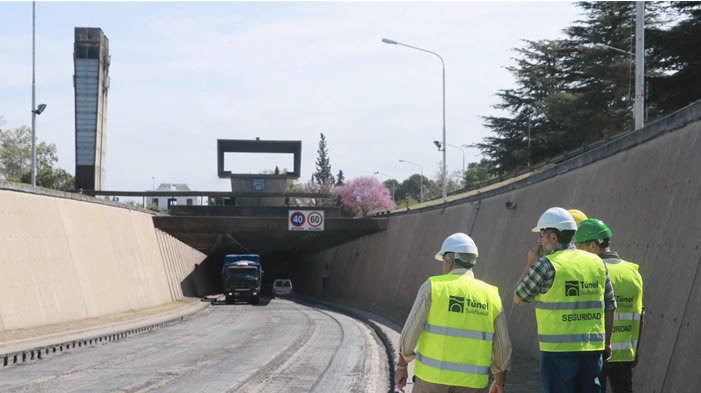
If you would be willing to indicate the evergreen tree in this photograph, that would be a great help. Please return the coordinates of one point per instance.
(569, 91)
(340, 179)
(678, 50)
(323, 174)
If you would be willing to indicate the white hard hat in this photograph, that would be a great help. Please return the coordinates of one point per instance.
(558, 218)
(457, 242)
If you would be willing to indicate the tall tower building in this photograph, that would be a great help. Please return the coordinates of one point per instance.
(91, 59)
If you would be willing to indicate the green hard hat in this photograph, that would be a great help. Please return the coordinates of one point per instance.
(592, 229)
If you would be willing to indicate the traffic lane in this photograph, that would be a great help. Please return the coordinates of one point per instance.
(341, 354)
(229, 349)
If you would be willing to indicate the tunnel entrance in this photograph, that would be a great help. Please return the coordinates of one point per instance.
(278, 247)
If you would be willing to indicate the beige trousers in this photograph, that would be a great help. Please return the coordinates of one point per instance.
(421, 386)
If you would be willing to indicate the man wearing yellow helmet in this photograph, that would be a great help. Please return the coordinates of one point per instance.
(578, 216)
(594, 235)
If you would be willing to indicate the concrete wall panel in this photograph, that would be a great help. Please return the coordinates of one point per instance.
(647, 193)
(65, 259)
(179, 261)
(38, 283)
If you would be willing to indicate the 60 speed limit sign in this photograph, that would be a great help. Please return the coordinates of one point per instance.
(305, 220)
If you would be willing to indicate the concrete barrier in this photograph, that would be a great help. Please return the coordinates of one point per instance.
(646, 186)
(65, 258)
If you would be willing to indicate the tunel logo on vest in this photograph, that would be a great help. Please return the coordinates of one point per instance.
(459, 304)
(576, 288)
(624, 299)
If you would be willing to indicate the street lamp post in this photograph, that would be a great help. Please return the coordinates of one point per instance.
(387, 176)
(439, 146)
(36, 110)
(639, 64)
(34, 114)
(639, 57)
(392, 42)
(421, 180)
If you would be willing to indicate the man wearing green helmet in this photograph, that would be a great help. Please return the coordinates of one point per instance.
(574, 305)
(594, 235)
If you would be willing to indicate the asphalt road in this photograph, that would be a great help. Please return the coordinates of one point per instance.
(280, 346)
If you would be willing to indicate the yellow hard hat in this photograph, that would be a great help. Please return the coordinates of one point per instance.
(578, 215)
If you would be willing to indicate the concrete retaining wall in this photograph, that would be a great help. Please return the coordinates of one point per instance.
(66, 259)
(180, 262)
(649, 195)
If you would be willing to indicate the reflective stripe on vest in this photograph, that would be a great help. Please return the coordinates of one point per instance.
(570, 338)
(627, 316)
(569, 305)
(455, 347)
(457, 332)
(624, 346)
(450, 366)
(571, 314)
(628, 287)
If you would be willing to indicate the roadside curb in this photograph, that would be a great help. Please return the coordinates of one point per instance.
(353, 313)
(37, 353)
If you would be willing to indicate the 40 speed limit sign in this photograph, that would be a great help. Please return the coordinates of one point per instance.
(305, 220)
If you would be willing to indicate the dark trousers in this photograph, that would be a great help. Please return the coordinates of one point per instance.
(619, 376)
(571, 372)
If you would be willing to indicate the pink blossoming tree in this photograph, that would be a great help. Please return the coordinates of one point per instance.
(364, 195)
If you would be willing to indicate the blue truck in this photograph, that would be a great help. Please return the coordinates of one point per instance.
(242, 276)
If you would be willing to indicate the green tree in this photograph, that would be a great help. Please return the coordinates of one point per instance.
(678, 51)
(392, 185)
(569, 91)
(477, 173)
(16, 160)
(340, 179)
(56, 179)
(322, 174)
(411, 188)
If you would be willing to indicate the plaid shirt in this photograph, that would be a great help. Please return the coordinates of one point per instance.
(541, 276)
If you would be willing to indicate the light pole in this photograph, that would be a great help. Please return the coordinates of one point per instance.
(639, 57)
(639, 64)
(439, 146)
(421, 180)
(35, 110)
(392, 42)
(387, 176)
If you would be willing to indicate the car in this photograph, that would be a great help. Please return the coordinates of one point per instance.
(282, 287)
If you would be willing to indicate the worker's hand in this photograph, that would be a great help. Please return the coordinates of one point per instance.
(607, 352)
(496, 388)
(535, 253)
(400, 377)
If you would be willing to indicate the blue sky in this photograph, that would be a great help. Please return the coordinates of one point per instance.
(185, 74)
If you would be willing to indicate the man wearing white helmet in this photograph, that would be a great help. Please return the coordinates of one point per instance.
(575, 306)
(456, 330)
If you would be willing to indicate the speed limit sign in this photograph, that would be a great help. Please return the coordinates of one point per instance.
(316, 219)
(305, 220)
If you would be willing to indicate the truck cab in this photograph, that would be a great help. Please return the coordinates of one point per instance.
(242, 276)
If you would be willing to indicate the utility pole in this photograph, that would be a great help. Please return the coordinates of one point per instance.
(529, 143)
(639, 64)
(34, 109)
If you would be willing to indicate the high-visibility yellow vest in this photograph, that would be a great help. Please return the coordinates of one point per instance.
(455, 347)
(628, 287)
(571, 314)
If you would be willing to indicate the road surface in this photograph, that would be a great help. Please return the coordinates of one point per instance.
(280, 346)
